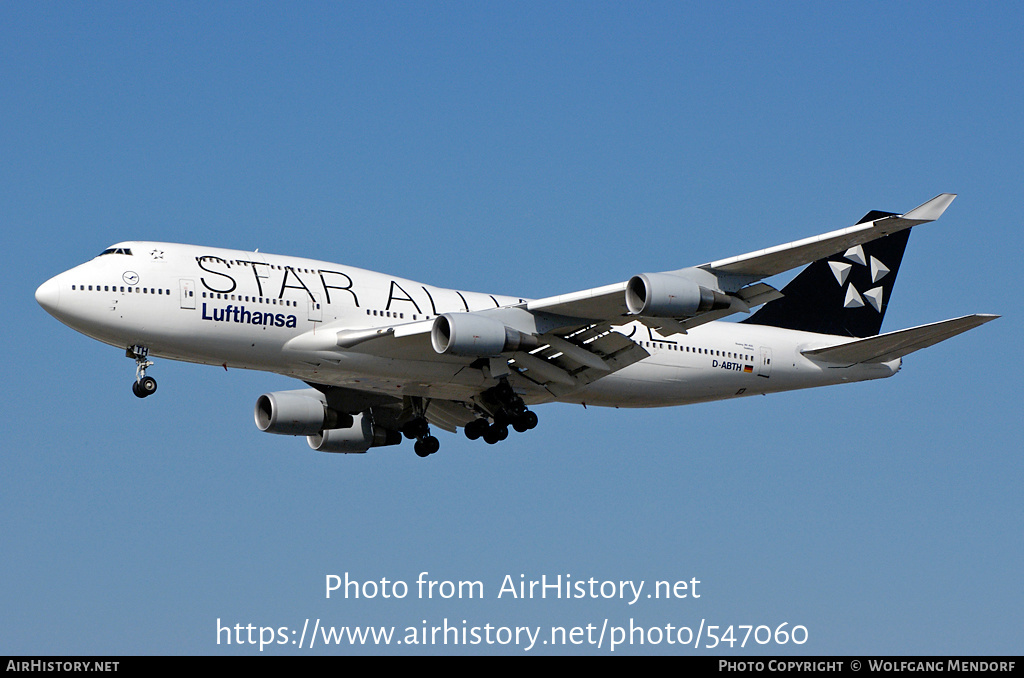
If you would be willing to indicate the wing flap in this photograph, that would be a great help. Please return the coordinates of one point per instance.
(613, 349)
(885, 347)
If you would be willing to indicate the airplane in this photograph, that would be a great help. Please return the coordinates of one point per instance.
(384, 357)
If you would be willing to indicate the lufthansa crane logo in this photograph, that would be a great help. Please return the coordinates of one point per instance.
(131, 277)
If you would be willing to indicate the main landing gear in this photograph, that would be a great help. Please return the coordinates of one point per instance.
(508, 408)
(144, 386)
(419, 429)
(498, 408)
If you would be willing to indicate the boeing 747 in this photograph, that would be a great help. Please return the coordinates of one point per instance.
(384, 357)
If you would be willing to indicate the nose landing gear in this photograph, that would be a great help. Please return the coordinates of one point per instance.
(144, 386)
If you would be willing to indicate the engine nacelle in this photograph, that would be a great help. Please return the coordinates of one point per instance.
(355, 439)
(297, 413)
(663, 295)
(469, 334)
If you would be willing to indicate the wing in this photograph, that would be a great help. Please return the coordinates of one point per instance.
(550, 356)
(551, 347)
(733, 277)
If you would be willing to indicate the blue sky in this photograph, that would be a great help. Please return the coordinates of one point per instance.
(526, 149)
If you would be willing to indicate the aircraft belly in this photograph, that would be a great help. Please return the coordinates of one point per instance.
(650, 384)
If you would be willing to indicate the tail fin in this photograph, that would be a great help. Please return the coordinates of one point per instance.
(845, 294)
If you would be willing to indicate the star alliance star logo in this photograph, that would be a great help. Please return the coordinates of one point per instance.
(841, 270)
(157, 254)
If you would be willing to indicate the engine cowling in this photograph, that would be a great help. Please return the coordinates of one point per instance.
(663, 295)
(355, 439)
(297, 413)
(469, 334)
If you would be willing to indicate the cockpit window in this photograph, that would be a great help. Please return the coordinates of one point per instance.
(116, 250)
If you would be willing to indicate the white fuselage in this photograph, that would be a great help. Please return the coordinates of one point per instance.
(257, 311)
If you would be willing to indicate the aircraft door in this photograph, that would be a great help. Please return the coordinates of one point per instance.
(188, 293)
(764, 368)
(316, 309)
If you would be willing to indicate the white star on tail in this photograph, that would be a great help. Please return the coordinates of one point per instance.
(841, 271)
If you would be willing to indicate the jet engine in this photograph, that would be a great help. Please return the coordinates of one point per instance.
(297, 413)
(355, 439)
(469, 334)
(663, 295)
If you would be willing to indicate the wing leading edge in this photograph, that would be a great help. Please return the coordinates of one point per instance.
(735, 276)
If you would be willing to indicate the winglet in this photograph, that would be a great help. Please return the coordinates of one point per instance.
(931, 210)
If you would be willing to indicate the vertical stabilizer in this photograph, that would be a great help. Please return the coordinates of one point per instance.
(845, 294)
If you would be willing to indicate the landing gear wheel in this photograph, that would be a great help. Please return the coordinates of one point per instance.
(145, 387)
(525, 421)
(495, 434)
(476, 428)
(427, 446)
(416, 428)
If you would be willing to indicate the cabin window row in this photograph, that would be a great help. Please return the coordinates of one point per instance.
(273, 267)
(121, 288)
(695, 349)
(252, 300)
(387, 314)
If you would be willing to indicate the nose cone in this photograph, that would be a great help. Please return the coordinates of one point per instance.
(48, 296)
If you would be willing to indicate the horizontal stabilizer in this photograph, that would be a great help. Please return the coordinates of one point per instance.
(892, 345)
